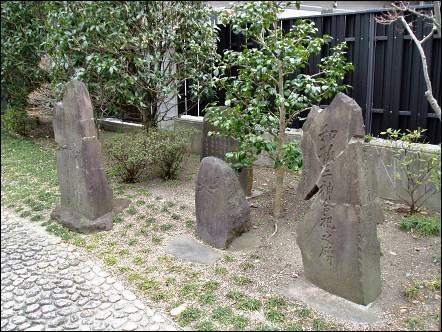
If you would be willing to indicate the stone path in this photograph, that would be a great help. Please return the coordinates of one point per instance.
(50, 285)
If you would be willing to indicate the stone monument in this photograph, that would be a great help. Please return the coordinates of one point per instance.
(222, 210)
(337, 238)
(87, 203)
(218, 147)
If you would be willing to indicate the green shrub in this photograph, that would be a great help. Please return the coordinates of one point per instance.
(22, 32)
(421, 224)
(419, 170)
(14, 121)
(169, 149)
(129, 155)
(133, 153)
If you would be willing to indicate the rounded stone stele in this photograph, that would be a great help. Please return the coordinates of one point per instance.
(222, 211)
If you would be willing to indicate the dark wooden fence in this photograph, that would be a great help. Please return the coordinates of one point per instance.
(387, 81)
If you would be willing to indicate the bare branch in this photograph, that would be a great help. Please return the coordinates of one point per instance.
(429, 93)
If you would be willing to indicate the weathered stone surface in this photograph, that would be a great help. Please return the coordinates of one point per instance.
(216, 146)
(188, 249)
(222, 211)
(338, 238)
(86, 199)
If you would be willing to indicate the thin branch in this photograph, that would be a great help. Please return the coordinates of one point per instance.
(428, 36)
(429, 93)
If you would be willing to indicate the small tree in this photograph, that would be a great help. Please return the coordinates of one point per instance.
(131, 54)
(400, 13)
(269, 92)
(419, 170)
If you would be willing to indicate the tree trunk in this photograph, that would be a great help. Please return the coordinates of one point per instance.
(277, 201)
(429, 93)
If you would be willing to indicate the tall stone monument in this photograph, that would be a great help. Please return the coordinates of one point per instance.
(338, 239)
(222, 210)
(87, 203)
(218, 147)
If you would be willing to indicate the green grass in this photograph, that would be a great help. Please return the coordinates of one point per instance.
(412, 322)
(79, 242)
(304, 312)
(190, 223)
(320, 325)
(156, 239)
(422, 225)
(148, 284)
(228, 258)
(413, 290)
(158, 296)
(59, 231)
(242, 281)
(222, 315)
(434, 284)
(150, 221)
(235, 295)
(293, 327)
(123, 252)
(249, 304)
(221, 270)
(189, 290)
(276, 303)
(166, 227)
(239, 322)
(134, 276)
(275, 316)
(110, 260)
(205, 326)
(211, 285)
(170, 281)
(207, 298)
(138, 260)
(131, 210)
(118, 219)
(37, 217)
(123, 269)
(190, 314)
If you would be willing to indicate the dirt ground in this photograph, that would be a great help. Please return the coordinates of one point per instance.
(272, 261)
(405, 257)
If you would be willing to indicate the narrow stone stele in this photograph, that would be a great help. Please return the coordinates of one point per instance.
(222, 210)
(87, 203)
(338, 238)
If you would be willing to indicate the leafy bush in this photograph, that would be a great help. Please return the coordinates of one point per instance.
(14, 121)
(134, 153)
(129, 154)
(22, 33)
(169, 149)
(422, 224)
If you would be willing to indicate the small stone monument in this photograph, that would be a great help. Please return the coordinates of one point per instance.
(87, 203)
(338, 239)
(218, 147)
(222, 210)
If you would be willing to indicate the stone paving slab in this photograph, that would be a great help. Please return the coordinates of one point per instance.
(49, 285)
(187, 248)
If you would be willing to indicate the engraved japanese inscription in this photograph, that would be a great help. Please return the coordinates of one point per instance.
(337, 238)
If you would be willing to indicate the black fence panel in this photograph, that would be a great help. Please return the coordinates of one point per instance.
(387, 82)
